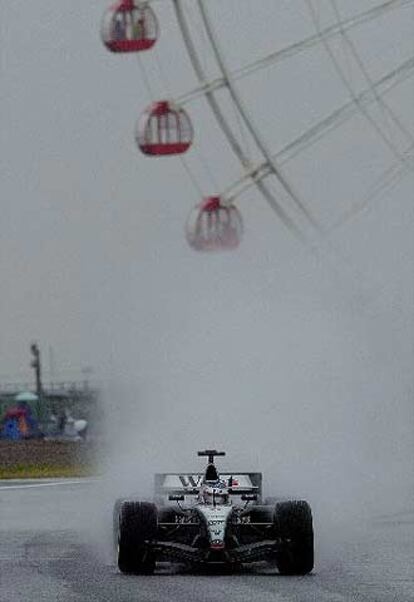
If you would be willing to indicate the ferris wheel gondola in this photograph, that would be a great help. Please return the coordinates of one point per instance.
(214, 226)
(164, 128)
(129, 26)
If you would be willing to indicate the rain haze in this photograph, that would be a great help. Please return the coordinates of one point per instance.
(295, 357)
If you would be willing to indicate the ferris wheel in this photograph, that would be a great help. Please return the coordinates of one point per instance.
(357, 85)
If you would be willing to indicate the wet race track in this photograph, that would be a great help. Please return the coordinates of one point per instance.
(55, 545)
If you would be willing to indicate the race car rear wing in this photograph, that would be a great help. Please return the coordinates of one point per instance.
(189, 483)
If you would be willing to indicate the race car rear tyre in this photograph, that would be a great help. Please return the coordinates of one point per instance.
(137, 527)
(293, 523)
(115, 522)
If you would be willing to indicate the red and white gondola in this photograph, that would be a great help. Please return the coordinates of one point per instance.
(129, 26)
(214, 226)
(164, 128)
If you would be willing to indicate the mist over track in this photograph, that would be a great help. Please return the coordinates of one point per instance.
(55, 544)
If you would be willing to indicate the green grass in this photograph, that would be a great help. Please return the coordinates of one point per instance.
(45, 471)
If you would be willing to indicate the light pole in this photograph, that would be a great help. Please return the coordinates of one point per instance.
(36, 364)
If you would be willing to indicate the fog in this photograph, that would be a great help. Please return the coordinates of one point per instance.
(292, 371)
(296, 361)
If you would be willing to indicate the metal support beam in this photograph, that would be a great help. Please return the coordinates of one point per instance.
(221, 119)
(244, 113)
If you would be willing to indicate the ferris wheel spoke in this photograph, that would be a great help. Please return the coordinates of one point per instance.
(387, 180)
(328, 124)
(347, 110)
(279, 56)
(208, 93)
(332, 31)
(227, 130)
(386, 109)
(244, 113)
(355, 98)
(255, 174)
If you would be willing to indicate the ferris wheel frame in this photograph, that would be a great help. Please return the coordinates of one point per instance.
(256, 174)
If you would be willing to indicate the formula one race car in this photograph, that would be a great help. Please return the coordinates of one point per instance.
(210, 518)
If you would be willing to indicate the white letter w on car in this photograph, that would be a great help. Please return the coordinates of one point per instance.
(190, 480)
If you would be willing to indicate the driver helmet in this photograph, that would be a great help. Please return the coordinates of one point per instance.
(215, 494)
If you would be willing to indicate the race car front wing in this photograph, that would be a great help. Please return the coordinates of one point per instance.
(242, 554)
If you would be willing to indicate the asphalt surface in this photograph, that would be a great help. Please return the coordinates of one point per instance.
(55, 545)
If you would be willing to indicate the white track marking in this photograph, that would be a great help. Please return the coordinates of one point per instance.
(48, 484)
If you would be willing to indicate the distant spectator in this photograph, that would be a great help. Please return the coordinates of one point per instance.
(61, 423)
(119, 28)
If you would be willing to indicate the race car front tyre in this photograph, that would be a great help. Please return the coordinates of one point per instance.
(137, 527)
(293, 524)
